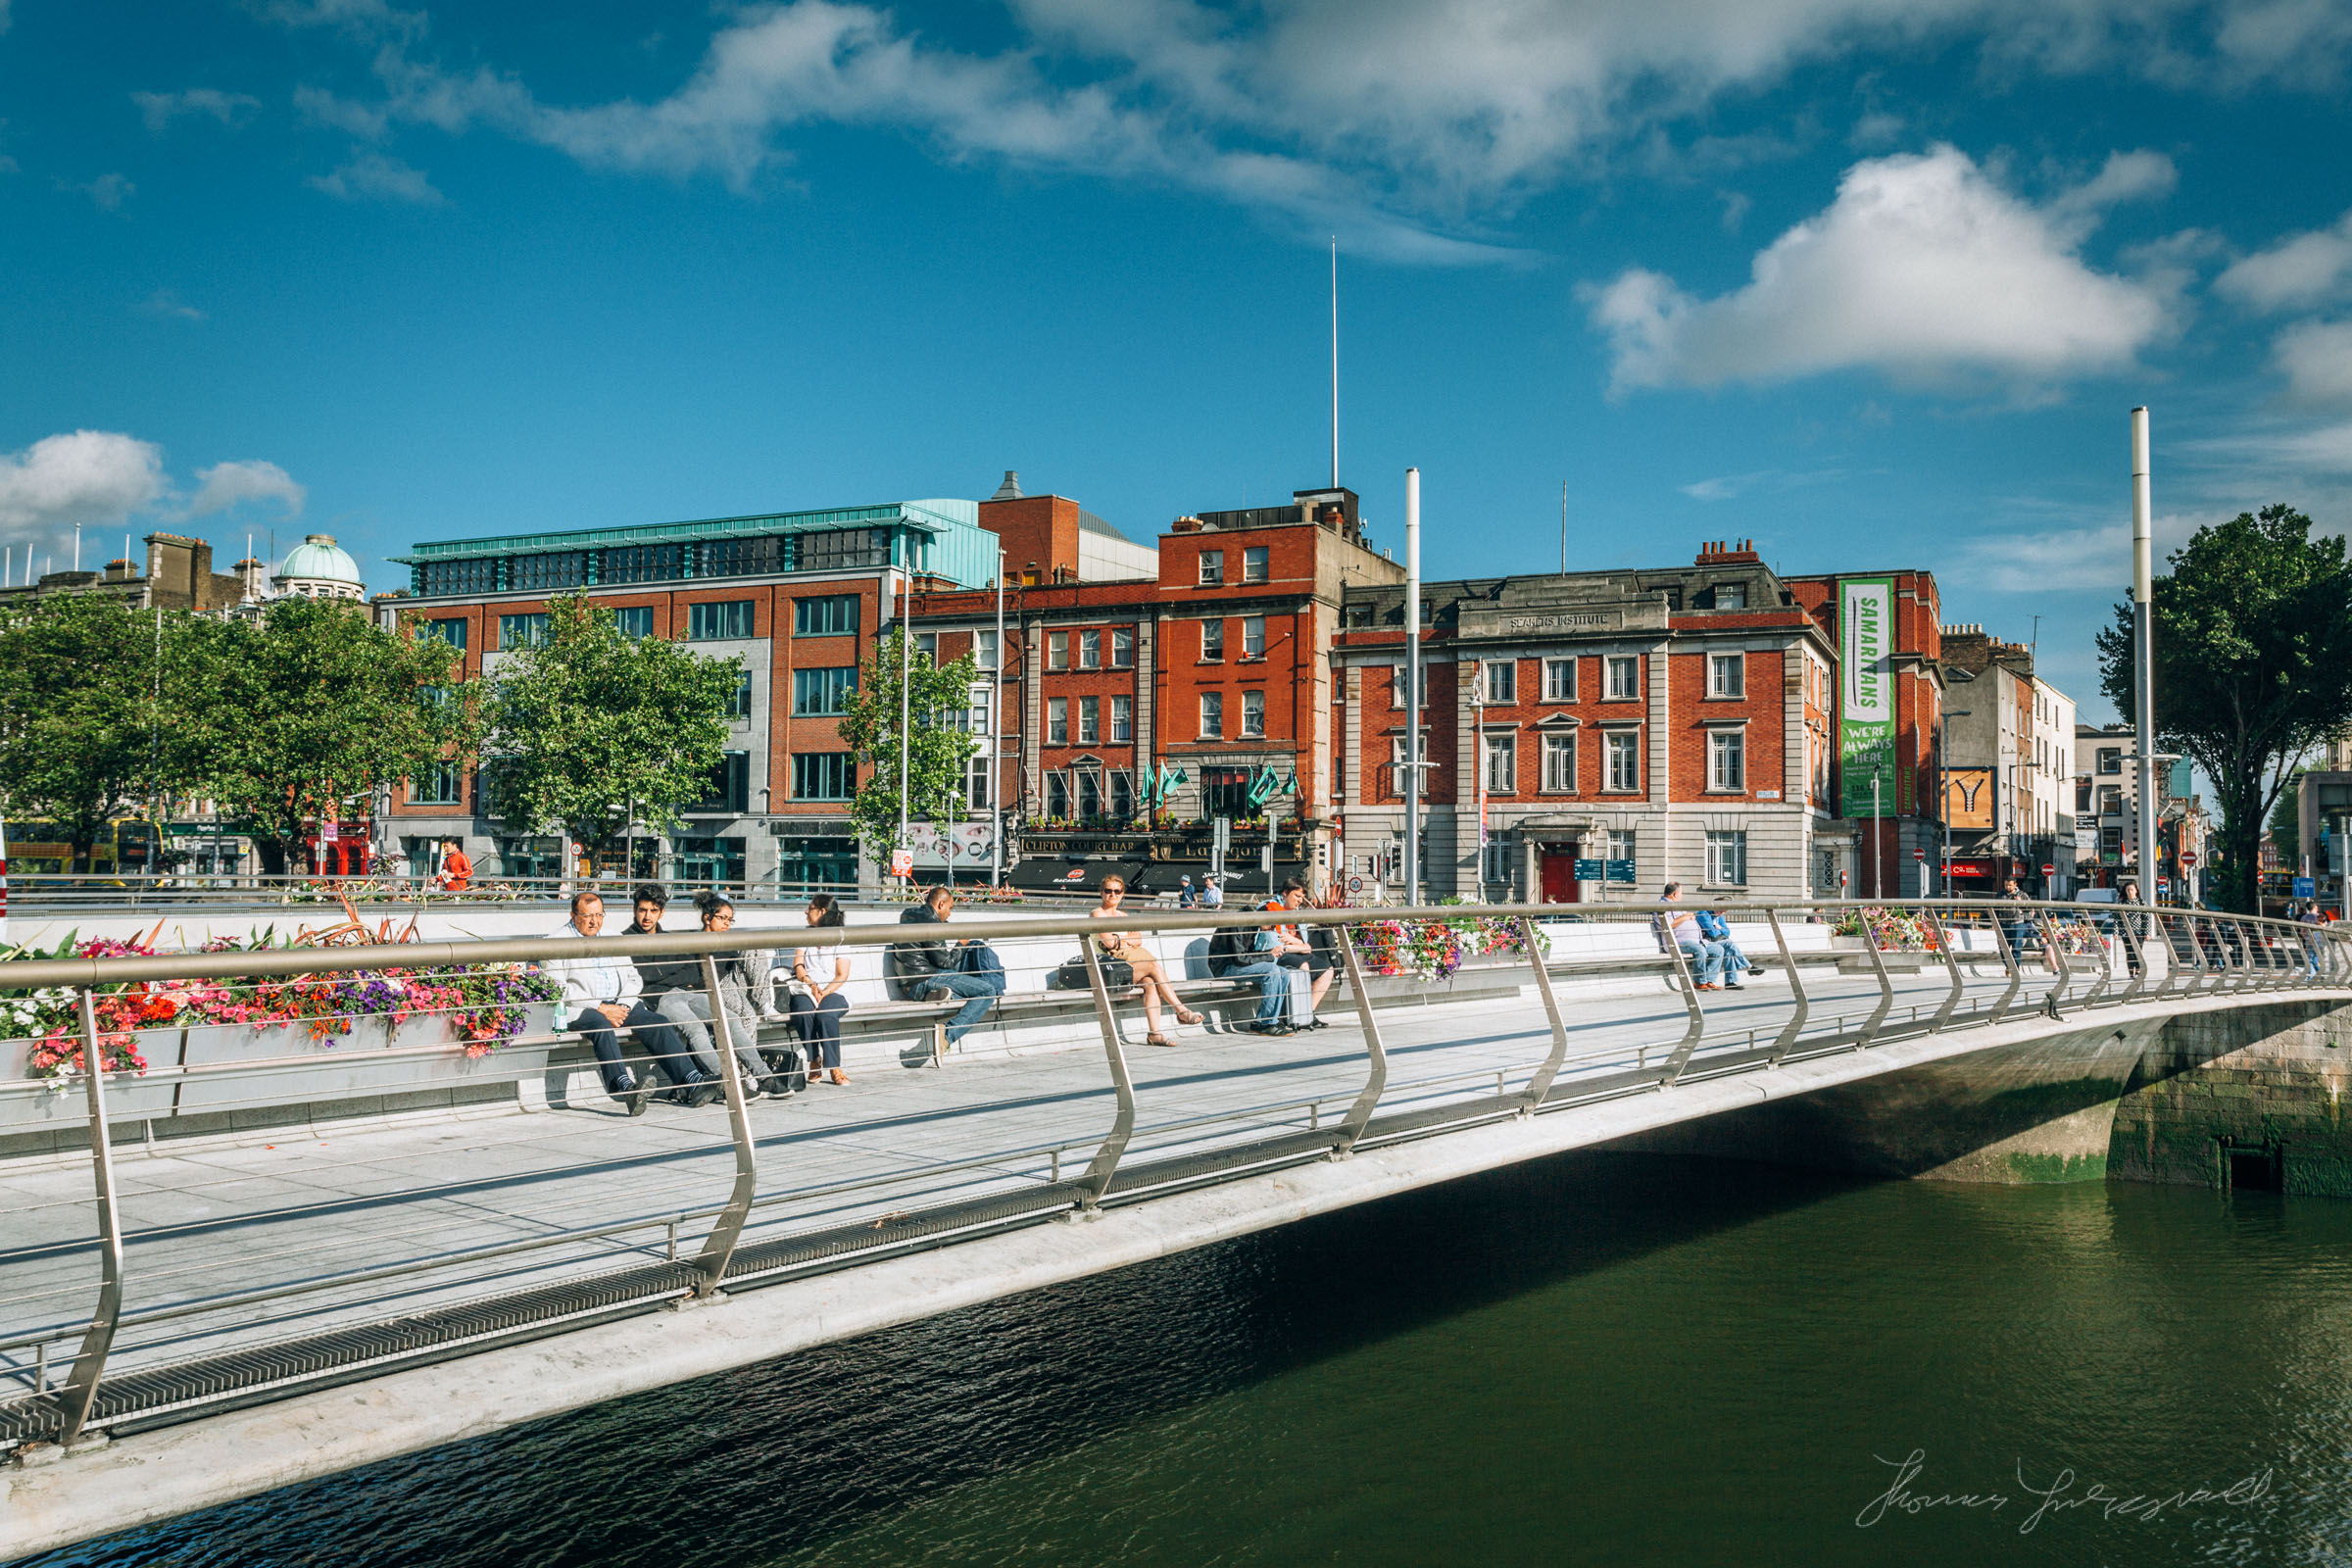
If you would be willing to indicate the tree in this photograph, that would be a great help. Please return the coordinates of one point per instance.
(2253, 666)
(936, 741)
(2286, 821)
(313, 709)
(589, 723)
(82, 741)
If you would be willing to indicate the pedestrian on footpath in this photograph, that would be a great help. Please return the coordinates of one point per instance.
(457, 871)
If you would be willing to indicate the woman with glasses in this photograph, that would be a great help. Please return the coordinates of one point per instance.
(1127, 948)
(742, 981)
(815, 1001)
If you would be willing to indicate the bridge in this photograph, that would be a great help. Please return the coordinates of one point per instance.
(287, 1249)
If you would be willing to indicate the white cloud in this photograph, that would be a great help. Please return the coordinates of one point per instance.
(167, 302)
(1922, 268)
(2317, 359)
(159, 109)
(228, 484)
(108, 191)
(1404, 123)
(369, 173)
(87, 476)
(2298, 272)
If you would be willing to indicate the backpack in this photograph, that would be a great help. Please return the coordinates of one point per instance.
(1231, 948)
(981, 959)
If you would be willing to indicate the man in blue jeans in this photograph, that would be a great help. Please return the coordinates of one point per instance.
(932, 970)
(1714, 928)
(1681, 929)
(1235, 955)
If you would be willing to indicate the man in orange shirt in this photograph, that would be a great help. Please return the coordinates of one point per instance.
(457, 871)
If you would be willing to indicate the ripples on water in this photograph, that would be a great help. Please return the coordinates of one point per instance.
(1606, 1358)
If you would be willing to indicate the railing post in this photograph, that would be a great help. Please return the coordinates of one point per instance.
(2055, 951)
(2207, 979)
(1698, 1013)
(1943, 945)
(2107, 958)
(1540, 1086)
(718, 1248)
(79, 1395)
(1878, 961)
(1376, 1076)
(2001, 925)
(1106, 1162)
(1796, 986)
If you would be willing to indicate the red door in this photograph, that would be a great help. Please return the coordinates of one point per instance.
(1558, 867)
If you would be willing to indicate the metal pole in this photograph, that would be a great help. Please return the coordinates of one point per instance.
(906, 702)
(1412, 688)
(79, 1395)
(1878, 840)
(1478, 762)
(720, 1248)
(1335, 362)
(2144, 654)
(996, 727)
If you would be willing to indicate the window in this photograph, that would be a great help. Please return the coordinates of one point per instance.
(833, 615)
(1503, 765)
(1212, 641)
(643, 564)
(738, 557)
(1559, 681)
(1224, 790)
(635, 621)
(926, 643)
(1089, 791)
(740, 706)
(1212, 568)
(1619, 843)
(452, 632)
(1057, 650)
(1503, 681)
(1501, 849)
(520, 631)
(1625, 762)
(1399, 684)
(820, 692)
(975, 781)
(730, 618)
(1726, 674)
(2111, 799)
(1090, 720)
(709, 860)
(556, 569)
(1122, 646)
(477, 576)
(844, 549)
(1090, 650)
(437, 785)
(822, 776)
(2083, 796)
(1123, 718)
(1057, 721)
(2111, 759)
(1559, 765)
(1212, 715)
(729, 789)
(1253, 564)
(1254, 715)
(1625, 679)
(1727, 858)
(1253, 636)
(1731, 596)
(1122, 793)
(1727, 759)
(984, 649)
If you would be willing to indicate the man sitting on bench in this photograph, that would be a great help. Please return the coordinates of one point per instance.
(933, 970)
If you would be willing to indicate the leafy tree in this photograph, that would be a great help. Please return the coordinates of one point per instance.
(588, 722)
(2253, 666)
(313, 707)
(2286, 821)
(937, 748)
(81, 737)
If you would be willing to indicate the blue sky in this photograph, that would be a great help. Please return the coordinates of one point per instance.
(1871, 281)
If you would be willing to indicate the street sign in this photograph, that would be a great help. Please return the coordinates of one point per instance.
(1356, 883)
(1619, 870)
(2047, 869)
(1591, 870)
(901, 862)
(2189, 856)
(1919, 854)
(2304, 888)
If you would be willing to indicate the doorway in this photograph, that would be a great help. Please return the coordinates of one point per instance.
(1556, 870)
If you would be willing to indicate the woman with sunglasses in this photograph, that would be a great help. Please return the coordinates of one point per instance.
(1127, 948)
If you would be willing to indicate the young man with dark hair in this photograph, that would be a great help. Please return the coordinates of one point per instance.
(932, 969)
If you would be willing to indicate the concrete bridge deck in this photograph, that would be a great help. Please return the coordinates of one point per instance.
(304, 1299)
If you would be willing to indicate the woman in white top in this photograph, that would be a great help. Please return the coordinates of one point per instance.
(1128, 948)
(816, 1001)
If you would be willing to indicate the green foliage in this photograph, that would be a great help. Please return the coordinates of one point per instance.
(588, 720)
(2253, 666)
(84, 740)
(936, 749)
(303, 715)
(2286, 821)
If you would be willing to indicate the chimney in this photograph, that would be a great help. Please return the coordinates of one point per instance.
(1011, 489)
(1723, 552)
(1185, 525)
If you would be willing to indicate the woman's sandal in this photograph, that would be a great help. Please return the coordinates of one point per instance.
(1157, 1040)
(1187, 1017)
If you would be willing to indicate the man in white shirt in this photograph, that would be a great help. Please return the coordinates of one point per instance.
(604, 995)
(1212, 897)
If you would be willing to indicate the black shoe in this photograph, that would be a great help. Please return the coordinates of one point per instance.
(700, 1093)
(1314, 1023)
(632, 1096)
(939, 993)
(774, 1086)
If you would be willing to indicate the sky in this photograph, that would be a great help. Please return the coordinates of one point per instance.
(1871, 283)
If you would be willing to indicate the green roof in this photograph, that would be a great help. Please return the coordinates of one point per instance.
(932, 517)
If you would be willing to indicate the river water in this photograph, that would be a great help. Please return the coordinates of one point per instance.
(1599, 1359)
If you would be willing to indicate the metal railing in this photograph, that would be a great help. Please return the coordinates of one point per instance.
(295, 1307)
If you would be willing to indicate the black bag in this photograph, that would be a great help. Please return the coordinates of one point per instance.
(787, 1063)
(1117, 972)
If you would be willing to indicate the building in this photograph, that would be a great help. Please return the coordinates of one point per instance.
(1150, 691)
(316, 569)
(2009, 769)
(802, 597)
(178, 575)
(1676, 725)
(2107, 803)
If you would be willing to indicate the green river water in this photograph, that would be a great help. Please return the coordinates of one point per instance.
(1601, 1359)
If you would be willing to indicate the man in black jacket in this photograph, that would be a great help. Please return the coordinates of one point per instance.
(932, 969)
(663, 975)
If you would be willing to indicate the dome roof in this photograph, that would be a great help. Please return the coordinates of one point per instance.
(319, 558)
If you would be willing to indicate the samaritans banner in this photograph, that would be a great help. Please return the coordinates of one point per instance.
(1866, 696)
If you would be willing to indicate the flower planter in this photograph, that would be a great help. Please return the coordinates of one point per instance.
(238, 1065)
(44, 1105)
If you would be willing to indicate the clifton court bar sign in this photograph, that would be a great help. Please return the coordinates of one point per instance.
(1866, 707)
